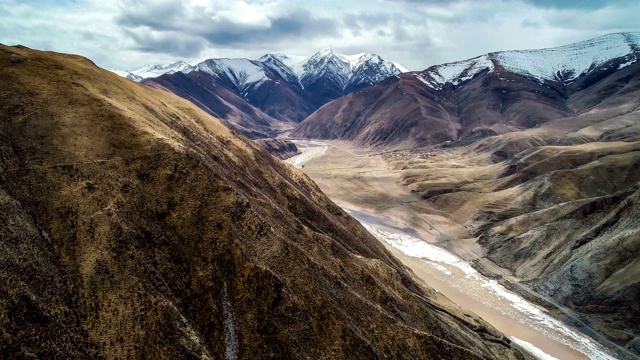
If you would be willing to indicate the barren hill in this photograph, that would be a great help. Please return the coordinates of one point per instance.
(134, 225)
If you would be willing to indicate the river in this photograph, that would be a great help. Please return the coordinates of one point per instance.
(526, 324)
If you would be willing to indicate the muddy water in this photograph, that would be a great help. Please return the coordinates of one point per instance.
(526, 324)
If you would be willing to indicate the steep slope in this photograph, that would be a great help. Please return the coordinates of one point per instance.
(280, 148)
(134, 225)
(491, 94)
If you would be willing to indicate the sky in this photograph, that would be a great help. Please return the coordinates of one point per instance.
(126, 34)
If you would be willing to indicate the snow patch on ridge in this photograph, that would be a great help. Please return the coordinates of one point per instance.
(153, 71)
(564, 63)
(241, 72)
(455, 72)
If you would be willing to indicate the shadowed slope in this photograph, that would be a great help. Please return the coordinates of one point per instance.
(134, 225)
(214, 98)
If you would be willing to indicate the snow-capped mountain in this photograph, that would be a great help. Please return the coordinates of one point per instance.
(153, 71)
(238, 73)
(339, 74)
(128, 75)
(283, 65)
(284, 87)
(563, 64)
(492, 94)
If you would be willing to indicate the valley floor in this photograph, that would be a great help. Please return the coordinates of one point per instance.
(437, 249)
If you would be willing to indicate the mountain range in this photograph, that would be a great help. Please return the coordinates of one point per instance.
(265, 97)
(487, 95)
(538, 163)
(136, 225)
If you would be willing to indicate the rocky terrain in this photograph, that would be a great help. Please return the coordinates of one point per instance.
(492, 94)
(135, 225)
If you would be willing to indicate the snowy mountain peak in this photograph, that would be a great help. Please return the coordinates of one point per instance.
(346, 72)
(563, 63)
(155, 70)
(241, 73)
(326, 52)
(273, 57)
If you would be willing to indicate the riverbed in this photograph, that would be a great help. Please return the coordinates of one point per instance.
(361, 184)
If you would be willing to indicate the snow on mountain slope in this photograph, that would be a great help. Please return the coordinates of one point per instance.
(345, 70)
(564, 63)
(242, 73)
(279, 63)
(573, 60)
(400, 67)
(128, 75)
(326, 64)
(455, 72)
(153, 71)
(342, 71)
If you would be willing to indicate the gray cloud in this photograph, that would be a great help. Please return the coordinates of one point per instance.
(295, 25)
(172, 43)
(417, 33)
(172, 22)
(155, 15)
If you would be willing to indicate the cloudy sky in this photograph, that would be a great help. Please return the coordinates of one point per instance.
(126, 34)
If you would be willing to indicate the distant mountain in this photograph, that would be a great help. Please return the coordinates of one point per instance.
(564, 64)
(152, 71)
(491, 94)
(330, 74)
(222, 101)
(276, 86)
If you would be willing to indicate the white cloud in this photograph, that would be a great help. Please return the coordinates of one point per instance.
(127, 33)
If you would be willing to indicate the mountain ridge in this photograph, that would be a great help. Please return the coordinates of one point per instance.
(562, 63)
(275, 86)
(475, 98)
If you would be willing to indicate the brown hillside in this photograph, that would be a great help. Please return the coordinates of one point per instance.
(134, 225)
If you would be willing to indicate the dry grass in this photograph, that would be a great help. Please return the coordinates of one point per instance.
(131, 220)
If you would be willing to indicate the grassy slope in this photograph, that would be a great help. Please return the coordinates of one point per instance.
(135, 225)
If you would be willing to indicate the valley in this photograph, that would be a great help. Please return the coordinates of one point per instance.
(149, 216)
(441, 248)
